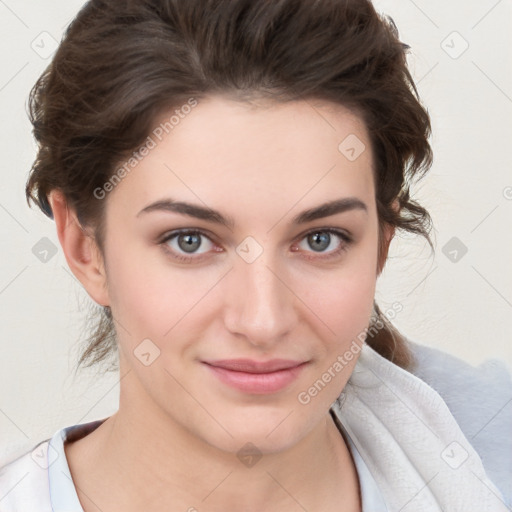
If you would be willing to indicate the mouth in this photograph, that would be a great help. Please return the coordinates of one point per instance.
(252, 366)
(256, 377)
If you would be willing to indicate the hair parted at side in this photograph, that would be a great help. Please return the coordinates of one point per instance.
(122, 63)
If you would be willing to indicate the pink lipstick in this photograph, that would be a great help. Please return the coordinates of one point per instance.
(259, 377)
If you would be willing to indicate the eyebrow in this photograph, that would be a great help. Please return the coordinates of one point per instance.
(200, 212)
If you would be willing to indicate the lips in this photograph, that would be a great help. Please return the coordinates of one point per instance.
(256, 377)
(251, 366)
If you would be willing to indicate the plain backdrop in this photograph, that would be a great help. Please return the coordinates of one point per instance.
(459, 300)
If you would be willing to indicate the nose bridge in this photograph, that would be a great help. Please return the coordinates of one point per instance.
(260, 304)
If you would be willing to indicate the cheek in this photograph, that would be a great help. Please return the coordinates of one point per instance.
(345, 306)
(343, 297)
(136, 288)
(149, 297)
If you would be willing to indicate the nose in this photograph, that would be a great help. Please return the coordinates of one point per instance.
(259, 305)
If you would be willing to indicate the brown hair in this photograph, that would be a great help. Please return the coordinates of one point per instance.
(122, 63)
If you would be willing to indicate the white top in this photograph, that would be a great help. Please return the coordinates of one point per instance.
(410, 453)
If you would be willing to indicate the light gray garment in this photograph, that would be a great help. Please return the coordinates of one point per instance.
(480, 399)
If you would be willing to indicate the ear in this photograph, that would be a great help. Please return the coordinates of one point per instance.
(82, 254)
(387, 233)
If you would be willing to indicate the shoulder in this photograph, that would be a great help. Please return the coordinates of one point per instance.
(24, 482)
(480, 400)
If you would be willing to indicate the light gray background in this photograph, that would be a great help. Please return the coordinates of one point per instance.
(463, 307)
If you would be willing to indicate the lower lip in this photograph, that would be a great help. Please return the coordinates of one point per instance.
(259, 383)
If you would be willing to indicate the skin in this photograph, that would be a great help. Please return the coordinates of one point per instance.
(174, 440)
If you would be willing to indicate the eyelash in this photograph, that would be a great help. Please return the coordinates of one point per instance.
(346, 241)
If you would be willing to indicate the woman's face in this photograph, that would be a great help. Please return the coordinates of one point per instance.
(263, 269)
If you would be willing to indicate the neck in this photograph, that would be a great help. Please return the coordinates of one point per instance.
(151, 463)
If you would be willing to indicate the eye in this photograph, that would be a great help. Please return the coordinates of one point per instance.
(326, 242)
(191, 245)
(187, 242)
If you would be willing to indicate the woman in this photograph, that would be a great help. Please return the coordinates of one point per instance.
(226, 178)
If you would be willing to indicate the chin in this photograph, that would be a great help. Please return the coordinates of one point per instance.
(276, 432)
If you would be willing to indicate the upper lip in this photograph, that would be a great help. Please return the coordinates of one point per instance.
(251, 366)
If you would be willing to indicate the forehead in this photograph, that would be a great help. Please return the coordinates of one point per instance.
(225, 152)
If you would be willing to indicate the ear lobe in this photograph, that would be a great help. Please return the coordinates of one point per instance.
(80, 249)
